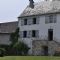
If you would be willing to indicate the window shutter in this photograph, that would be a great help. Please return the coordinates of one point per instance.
(54, 19)
(37, 21)
(28, 22)
(22, 22)
(46, 19)
(30, 34)
(21, 34)
(31, 21)
(37, 33)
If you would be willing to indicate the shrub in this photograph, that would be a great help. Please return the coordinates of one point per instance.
(2, 52)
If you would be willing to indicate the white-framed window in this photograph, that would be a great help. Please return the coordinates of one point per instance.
(50, 18)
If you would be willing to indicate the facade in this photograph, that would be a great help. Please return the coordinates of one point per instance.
(40, 27)
(5, 30)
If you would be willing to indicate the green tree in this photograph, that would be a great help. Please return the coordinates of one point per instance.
(18, 46)
(14, 37)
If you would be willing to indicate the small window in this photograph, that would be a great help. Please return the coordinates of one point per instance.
(33, 33)
(25, 21)
(34, 20)
(24, 34)
(50, 19)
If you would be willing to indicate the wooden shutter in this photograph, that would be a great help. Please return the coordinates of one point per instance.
(37, 33)
(22, 22)
(37, 20)
(30, 34)
(46, 19)
(21, 34)
(54, 19)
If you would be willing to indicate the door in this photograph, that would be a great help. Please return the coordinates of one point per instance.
(45, 50)
(50, 34)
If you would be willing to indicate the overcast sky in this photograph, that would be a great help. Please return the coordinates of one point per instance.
(11, 9)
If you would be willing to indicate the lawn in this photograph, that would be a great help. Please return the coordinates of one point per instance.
(29, 58)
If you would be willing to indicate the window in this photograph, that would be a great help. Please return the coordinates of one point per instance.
(24, 34)
(50, 34)
(33, 33)
(50, 19)
(25, 21)
(34, 20)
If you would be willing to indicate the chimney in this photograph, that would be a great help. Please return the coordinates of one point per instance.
(31, 4)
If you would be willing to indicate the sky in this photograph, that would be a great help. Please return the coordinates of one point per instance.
(11, 9)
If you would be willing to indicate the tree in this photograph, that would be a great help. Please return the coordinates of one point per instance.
(14, 37)
(22, 47)
(18, 46)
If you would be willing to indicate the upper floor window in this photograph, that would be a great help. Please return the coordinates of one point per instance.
(25, 21)
(30, 21)
(34, 20)
(50, 19)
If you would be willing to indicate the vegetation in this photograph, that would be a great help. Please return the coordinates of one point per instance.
(17, 47)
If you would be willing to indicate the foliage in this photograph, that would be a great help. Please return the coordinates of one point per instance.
(16, 46)
(57, 53)
(22, 47)
(14, 37)
(2, 52)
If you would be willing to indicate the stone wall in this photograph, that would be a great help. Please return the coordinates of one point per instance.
(37, 47)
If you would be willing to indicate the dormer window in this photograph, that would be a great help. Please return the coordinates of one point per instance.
(25, 21)
(34, 20)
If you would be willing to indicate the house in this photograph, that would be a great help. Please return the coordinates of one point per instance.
(5, 30)
(39, 27)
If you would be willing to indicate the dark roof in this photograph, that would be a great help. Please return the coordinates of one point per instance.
(8, 27)
(42, 7)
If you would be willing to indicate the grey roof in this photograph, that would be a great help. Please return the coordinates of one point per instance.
(8, 27)
(42, 8)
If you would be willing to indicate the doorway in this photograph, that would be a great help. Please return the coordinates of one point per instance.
(45, 50)
(50, 34)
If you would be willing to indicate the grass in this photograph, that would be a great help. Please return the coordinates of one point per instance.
(29, 58)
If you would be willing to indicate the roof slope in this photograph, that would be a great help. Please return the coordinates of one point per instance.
(42, 8)
(8, 27)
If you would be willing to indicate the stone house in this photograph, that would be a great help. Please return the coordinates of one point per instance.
(5, 30)
(39, 27)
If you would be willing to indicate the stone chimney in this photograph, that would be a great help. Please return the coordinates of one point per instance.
(31, 4)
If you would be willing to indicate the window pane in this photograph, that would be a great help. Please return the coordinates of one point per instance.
(34, 20)
(25, 21)
(33, 33)
(24, 34)
(50, 18)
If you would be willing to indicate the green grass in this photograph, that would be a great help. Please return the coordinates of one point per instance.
(29, 58)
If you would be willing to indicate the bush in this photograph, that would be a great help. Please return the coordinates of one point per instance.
(57, 54)
(2, 52)
(21, 48)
